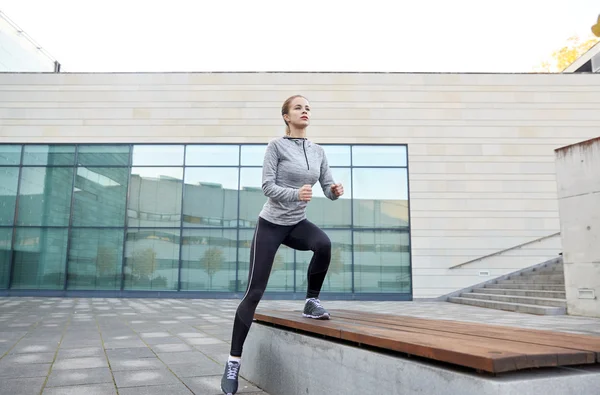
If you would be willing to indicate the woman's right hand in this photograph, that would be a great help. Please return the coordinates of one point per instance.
(305, 193)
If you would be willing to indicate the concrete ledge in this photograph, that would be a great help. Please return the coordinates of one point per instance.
(283, 362)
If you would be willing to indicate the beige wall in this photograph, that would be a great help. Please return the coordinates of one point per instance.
(480, 146)
(578, 179)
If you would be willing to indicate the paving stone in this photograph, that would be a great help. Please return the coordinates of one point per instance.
(80, 363)
(27, 358)
(79, 376)
(177, 347)
(125, 353)
(23, 370)
(182, 357)
(21, 386)
(140, 378)
(25, 349)
(96, 389)
(117, 364)
(206, 368)
(173, 389)
(80, 352)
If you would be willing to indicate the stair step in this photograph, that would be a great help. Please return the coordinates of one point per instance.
(540, 278)
(528, 286)
(517, 299)
(506, 306)
(522, 292)
(525, 280)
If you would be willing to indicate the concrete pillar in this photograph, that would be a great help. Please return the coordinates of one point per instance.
(578, 181)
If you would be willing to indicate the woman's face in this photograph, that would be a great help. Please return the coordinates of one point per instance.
(299, 113)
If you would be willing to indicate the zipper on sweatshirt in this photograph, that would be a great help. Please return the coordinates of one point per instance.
(306, 157)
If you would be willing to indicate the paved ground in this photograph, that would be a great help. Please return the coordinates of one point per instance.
(165, 346)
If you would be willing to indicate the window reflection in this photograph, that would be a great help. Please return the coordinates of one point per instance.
(39, 258)
(10, 154)
(45, 196)
(212, 155)
(152, 259)
(210, 197)
(5, 248)
(157, 155)
(380, 198)
(253, 155)
(337, 155)
(103, 155)
(208, 260)
(100, 196)
(95, 258)
(155, 197)
(9, 179)
(49, 155)
(381, 261)
(379, 155)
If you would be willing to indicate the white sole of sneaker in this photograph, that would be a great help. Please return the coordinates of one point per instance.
(316, 317)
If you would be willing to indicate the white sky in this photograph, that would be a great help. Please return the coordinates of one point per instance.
(307, 35)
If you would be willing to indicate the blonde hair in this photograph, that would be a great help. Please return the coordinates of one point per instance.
(285, 109)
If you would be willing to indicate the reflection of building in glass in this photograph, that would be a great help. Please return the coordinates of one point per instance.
(103, 225)
(19, 53)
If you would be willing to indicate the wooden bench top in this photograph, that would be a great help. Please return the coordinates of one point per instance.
(489, 348)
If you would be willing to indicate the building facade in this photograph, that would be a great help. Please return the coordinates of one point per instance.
(149, 183)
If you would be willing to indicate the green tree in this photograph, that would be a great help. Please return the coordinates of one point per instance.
(563, 57)
(211, 262)
(143, 263)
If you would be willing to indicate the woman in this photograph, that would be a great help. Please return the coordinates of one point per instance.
(292, 165)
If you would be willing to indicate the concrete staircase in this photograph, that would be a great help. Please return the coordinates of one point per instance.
(539, 290)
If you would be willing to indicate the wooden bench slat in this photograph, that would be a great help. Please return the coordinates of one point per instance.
(534, 336)
(465, 349)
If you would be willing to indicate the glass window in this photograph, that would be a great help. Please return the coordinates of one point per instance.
(253, 155)
(381, 261)
(100, 196)
(337, 155)
(210, 197)
(10, 154)
(155, 197)
(9, 178)
(157, 155)
(49, 155)
(212, 155)
(152, 259)
(45, 196)
(5, 249)
(103, 155)
(339, 274)
(95, 257)
(252, 197)
(332, 214)
(208, 260)
(378, 155)
(380, 198)
(39, 258)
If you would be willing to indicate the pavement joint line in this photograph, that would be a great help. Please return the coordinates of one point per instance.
(106, 355)
(62, 336)
(151, 350)
(21, 338)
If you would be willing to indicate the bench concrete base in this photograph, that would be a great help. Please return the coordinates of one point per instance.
(283, 362)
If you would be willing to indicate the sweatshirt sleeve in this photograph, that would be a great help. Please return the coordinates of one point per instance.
(269, 187)
(326, 179)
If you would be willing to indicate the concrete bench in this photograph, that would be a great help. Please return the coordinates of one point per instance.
(361, 353)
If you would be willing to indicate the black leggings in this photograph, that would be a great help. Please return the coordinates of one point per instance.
(304, 236)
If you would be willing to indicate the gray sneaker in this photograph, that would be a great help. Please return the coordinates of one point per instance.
(313, 309)
(229, 382)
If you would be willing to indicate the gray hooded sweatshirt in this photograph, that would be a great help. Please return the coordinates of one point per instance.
(289, 164)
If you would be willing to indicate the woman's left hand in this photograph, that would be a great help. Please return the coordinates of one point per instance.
(337, 189)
